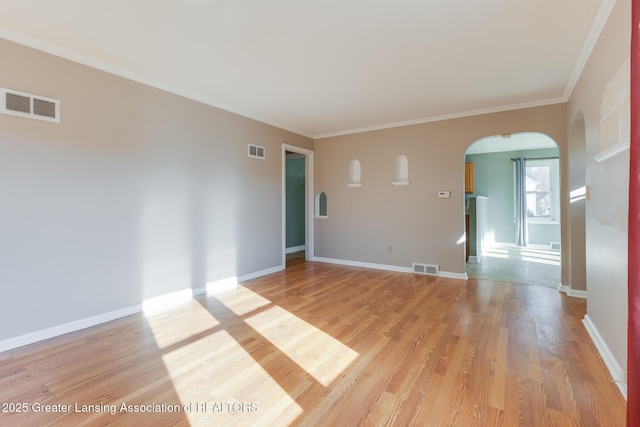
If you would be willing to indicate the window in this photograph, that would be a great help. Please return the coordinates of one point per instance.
(542, 190)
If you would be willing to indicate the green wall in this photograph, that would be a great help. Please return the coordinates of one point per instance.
(493, 177)
(295, 202)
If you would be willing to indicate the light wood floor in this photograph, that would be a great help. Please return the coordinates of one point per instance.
(328, 345)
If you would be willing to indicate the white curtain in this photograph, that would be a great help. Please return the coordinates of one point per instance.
(522, 235)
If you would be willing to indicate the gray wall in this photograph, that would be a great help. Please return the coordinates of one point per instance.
(295, 202)
(363, 222)
(607, 210)
(136, 193)
(493, 177)
(577, 207)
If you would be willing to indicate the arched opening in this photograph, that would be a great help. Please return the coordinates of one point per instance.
(355, 174)
(321, 205)
(401, 170)
(508, 202)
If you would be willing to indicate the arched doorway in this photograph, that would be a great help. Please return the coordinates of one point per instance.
(494, 217)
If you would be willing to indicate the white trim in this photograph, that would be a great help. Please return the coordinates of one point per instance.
(572, 293)
(617, 372)
(76, 325)
(386, 267)
(577, 294)
(165, 300)
(199, 291)
(614, 150)
(108, 68)
(471, 113)
(475, 258)
(355, 185)
(400, 183)
(599, 21)
(449, 275)
(222, 285)
(371, 265)
(66, 328)
(293, 249)
(309, 177)
(260, 273)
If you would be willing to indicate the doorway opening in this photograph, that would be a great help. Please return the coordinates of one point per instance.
(512, 213)
(297, 203)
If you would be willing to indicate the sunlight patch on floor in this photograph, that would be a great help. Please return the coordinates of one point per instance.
(321, 355)
(232, 357)
(496, 255)
(541, 261)
(496, 250)
(180, 324)
(242, 301)
(541, 256)
(239, 390)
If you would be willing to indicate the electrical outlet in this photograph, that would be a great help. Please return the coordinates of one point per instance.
(390, 248)
(227, 258)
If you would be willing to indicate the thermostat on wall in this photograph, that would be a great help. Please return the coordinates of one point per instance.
(444, 194)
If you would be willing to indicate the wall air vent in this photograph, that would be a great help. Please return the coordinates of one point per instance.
(256, 151)
(429, 270)
(27, 105)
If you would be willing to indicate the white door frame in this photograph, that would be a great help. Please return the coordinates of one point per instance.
(309, 196)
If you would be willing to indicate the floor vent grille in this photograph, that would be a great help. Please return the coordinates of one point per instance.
(428, 269)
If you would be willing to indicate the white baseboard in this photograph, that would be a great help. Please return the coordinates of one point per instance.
(199, 291)
(386, 267)
(572, 293)
(448, 275)
(364, 264)
(295, 249)
(65, 328)
(617, 372)
(33, 337)
(260, 273)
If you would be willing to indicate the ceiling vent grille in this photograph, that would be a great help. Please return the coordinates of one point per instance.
(256, 151)
(429, 270)
(27, 105)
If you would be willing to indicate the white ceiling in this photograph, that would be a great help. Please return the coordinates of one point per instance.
(327, 67)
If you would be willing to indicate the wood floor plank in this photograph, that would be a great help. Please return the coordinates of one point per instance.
(326, 345)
